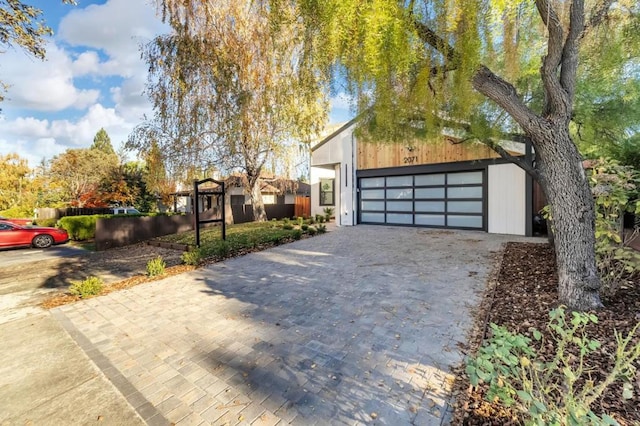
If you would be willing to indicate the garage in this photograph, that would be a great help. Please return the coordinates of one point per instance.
(443, 200)
(443, 182)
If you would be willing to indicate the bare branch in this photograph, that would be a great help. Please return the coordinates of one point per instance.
(570, 51)
(505, 95)
(518, 161)
(556, 101)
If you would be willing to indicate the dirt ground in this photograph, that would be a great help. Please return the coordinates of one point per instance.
(524, 292)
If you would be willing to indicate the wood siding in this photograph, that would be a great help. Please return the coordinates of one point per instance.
(379, 155)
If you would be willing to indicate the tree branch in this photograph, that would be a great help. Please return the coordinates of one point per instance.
(556, 102)
(505, 95)
(570, 52)
(518, 161)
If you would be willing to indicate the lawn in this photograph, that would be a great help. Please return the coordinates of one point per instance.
(241, 238)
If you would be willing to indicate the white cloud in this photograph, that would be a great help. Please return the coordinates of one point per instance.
(117, 28)
(36, 139)
(43, 86)
(93, 42)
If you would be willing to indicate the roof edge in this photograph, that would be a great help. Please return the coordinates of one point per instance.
(335, 133)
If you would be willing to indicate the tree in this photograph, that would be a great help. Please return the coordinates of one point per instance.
(19, 25)
(102, 142)
(80, 172)
(227, 89)
(14, 180)
(416, 66)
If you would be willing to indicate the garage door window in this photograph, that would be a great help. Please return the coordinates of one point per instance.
(453, 199)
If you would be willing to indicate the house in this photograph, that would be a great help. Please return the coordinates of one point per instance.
(278, 194)
(441, 183)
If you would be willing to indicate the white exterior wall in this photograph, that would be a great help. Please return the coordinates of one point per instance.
(507, 200)
(337, 153)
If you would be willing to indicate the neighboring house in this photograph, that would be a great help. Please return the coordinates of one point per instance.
(440, 184)
(278, 194)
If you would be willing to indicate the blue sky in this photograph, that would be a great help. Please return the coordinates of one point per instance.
(93, 77)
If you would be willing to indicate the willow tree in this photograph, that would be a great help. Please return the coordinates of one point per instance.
(493, 70)
(228, 90)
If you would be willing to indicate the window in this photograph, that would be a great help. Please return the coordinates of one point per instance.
(326, 192)
(237, 200)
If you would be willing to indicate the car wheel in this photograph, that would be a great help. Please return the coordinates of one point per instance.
(42, 241)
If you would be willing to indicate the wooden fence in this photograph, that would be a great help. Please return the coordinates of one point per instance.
(302, 207)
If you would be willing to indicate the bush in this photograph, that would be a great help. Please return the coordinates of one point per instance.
(297, 234)
(46, 222)
(322, 228)
(327, 218)
(328, 211)
(300, 220)
(156, 267)
(614, 187)
(560, 391)
(304, 227)
(312, 230)
(192, 257)
(311, 221)
(91, 286)
(287, 226)
(80, 228)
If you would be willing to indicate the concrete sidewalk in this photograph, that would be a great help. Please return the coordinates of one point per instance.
(358, 326)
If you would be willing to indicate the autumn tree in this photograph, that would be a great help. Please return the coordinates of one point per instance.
(81, 172)
(14, 180)
(20, 25)
(227, 89)
(491, 70)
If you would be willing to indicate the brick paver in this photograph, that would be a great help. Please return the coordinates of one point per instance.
(360, 325)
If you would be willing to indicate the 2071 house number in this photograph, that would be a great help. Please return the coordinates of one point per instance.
(410, 160)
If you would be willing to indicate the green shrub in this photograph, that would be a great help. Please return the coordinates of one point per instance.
(91, 286)
(285, 221)
(321, 228)
(222, 249)
(80, 228)
(18, 212)
(328, 211)
(192, 257)
(312, 230)
(557, 392)
(287, 226)
(312, 221)
(327, 218)
(304, 227)
(297, 234)
(156, 267)
(300, 220)
(614, 187)
(46, 222)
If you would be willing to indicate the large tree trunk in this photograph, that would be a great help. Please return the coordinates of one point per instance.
(259, 213)
(562, 177)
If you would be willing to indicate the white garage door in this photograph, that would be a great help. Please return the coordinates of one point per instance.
(444, 200)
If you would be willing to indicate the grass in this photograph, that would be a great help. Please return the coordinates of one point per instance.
(240, 238)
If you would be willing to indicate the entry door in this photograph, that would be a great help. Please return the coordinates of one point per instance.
(443, 200)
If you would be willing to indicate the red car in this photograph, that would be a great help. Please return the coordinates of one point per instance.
(12, 235)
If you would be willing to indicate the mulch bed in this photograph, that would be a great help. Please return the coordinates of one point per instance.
(519, 298)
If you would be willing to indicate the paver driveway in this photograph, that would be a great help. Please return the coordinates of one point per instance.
(359, 325)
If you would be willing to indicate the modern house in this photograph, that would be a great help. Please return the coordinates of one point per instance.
(441, 183)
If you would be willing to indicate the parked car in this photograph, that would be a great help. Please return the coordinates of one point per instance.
(22, 222)
(12, 235)
(124, 210)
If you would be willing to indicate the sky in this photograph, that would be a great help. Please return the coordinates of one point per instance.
(92, 78)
